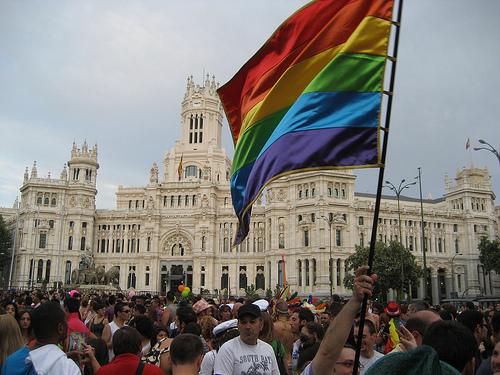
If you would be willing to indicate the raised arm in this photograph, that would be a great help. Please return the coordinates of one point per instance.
(338, 331)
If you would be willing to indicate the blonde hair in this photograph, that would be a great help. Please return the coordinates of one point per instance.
(12, 339)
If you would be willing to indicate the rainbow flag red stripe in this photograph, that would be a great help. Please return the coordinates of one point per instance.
(310, 98)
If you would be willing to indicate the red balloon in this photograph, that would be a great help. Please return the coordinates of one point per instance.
(180, 288)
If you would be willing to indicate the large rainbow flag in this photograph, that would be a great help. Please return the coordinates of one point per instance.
(310, 98)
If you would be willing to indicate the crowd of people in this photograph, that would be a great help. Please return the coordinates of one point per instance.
(97, 333)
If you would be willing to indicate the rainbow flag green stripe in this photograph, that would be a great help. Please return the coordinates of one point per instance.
(368, 79)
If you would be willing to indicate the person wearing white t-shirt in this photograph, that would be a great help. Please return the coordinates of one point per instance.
(368, 355)
(246, 354)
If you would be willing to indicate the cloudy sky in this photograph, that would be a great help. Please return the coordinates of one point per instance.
(114, 73)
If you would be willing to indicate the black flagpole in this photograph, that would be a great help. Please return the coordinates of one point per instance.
(373, 240)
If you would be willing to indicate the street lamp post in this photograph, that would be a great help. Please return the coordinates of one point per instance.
(397, 191)
(423, 231)
(453, 273)
(330, 262)
(490, 148)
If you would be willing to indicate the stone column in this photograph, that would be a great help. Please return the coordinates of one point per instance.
(449, 282)
(311, 275)
(342, 275)
(303, 265)
(435, 287)
(421, 288)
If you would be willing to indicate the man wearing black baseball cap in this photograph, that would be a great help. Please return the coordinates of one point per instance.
(247, 354)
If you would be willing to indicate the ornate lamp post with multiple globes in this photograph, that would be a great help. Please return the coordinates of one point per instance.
(397, 190)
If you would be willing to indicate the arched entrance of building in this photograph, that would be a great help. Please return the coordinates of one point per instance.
(173, 273)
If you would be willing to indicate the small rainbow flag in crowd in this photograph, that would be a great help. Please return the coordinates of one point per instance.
(310, 98)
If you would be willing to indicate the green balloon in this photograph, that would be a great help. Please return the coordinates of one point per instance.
(186, 292)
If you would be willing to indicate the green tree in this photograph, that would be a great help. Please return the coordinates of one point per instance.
(489, 254)
(387, 265)
(5, 245)
(251, 293)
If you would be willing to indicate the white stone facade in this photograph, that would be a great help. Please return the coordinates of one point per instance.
(181, 224)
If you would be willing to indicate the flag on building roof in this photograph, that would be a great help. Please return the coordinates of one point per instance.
(467, 144)
(179, 168)
(310, 98)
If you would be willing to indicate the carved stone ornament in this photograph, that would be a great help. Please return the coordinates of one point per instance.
(180, 240)
(153, 174)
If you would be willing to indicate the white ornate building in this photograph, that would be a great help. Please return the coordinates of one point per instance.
(181, 224)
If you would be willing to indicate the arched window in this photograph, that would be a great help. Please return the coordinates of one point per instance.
(51, 224)
(243, 277)
(82, 243)
(338, 273)
(191, 171)
(203, 243)
(131, 279)
(39, 200)
(224, 279)
(260, 280)
(46, 201)
(186, 200)
(47, 271)
(307, 272)
(70, 243)
(53, 202)
(67, 272)
(39, 271)
(299, 271)
(314, 271)
(179, 198)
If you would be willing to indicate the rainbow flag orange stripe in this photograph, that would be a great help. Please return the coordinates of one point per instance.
(309, 98)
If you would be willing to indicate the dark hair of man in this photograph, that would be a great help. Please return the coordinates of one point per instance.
(193, 328)
(404, 308)
(127, 340)
(453, 342)
(72, 304)
(185, 349)
(369, 324)
(111, 300)
(450, 308)
(307, 355)
(45, 320)
(316, 328)
(417, 324)
(141, 309)
(335, 308)
(420, 305)
(471, 319)
(445, 315)
(119, 307)
(495, 323)
(186, 314)
(306, 314)
(97, 305)
(470, 305)
(144, 326)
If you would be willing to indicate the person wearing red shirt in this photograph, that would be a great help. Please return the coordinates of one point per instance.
(127, 346)
(72, 307)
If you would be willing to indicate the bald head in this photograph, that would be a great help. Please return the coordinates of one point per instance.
(419, 322)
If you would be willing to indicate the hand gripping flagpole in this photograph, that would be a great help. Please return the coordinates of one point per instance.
(373, 240)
